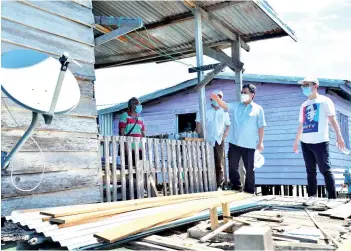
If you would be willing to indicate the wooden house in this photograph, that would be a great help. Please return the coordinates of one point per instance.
(166, 111)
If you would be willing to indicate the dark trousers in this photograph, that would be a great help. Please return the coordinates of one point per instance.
(234, 154)
(219, 163)
(318, 154)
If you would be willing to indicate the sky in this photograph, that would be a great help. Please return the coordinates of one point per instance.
(323, 50)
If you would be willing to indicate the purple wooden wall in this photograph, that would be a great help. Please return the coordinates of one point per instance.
(281, 104)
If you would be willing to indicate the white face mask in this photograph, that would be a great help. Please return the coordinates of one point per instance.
(245, 97)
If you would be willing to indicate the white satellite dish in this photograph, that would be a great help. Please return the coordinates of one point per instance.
(39, 83)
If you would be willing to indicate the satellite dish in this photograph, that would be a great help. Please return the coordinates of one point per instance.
(30, 78)
(38, 83)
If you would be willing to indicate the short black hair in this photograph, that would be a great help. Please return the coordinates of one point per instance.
(132, 101)
(251, 88)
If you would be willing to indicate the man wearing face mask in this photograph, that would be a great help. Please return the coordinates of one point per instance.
(131, 124)
(217, 126)
(247, 122)
(313, 131)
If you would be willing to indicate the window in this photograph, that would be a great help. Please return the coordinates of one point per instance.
(344, 128)
(186, 122)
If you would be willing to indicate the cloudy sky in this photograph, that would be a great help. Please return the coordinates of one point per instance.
(323, 28)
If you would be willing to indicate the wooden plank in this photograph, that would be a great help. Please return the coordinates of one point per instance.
(79, 209)
(139, 225)
(209, 77)
(295, 237)
(174, 167)
(107, 170)
(86, 3)
(46, 22)
(148, 165)
(123, 167)
(204, 166)
(63, 122)
(195, 166)
(117, 210)
(213, 169)
(343, 212)
(31, 162)
(157, 160)
(67, 9)
(226, 212)
(180, 168)
(100, 174)
(130, 167)
(185, 166)
(220, 56)
(56, 199)
(190, 166)
(36, 39)
(169, 164)
(138, 168)
(218, 230)
(85, 72)
(50, 141)
(199, 166)
(163, 167)
(52, 182)
(209, 167)
(213, 218)
(114, 167)
(153, 185)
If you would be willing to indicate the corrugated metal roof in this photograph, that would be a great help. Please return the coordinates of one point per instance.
(256, 78)
(171, 27)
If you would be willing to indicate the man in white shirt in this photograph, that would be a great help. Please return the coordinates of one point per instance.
(313, 131)
(217, 126)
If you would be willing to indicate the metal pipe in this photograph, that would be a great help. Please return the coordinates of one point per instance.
(21, 142)
(200, 74)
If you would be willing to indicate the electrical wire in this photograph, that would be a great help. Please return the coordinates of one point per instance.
(42, 156)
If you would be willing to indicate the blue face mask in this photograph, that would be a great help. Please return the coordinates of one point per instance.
(307, 91)
(138, 108)
(214, 103)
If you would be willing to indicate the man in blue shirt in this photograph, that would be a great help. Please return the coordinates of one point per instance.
(247, 122)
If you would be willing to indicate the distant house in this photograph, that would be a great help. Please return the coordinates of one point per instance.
(168, 110)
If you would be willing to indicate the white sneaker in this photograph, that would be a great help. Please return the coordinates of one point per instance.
(311, 201)
(332, 203)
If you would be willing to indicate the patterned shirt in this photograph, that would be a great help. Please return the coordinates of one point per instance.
(127, 122)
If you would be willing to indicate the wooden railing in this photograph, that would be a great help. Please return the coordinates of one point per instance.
(171, 166)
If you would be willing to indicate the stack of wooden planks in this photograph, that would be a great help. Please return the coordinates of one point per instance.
(341, 212)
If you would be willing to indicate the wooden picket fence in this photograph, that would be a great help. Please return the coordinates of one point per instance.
(175, 166)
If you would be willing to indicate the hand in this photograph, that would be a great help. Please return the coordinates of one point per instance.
(260, 147)
(214, 97)
(296, 147)
(340, 143)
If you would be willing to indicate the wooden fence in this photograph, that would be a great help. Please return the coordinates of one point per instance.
(171, 166)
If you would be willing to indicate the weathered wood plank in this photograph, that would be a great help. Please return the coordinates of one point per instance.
(185, 166)
(39, 40)
(157, 169)
(163, 166)
(107, 170)
(62, 198)
(123, 167)
(100, 173)
(31, 162)
(180, 168)
(114, 167)
(61, 122)
(46, 22)
(85, 72)
(195, 166)
(190, 166)
(148, 166)
(130, 167)
(174, 167)
(199, 166)
(209, 167)
(66, 9)
(204, 166)
(50, 141)
(52, 182)
(169, 164)
(138, 168)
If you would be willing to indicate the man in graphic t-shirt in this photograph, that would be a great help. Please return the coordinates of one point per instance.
(313, 131)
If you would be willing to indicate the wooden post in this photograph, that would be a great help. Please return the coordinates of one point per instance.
(209, 167)
(123, 167)
(204, 166)
(213, 218)
(101, 173)
(157, 159)
(163, 156)
(190, 169)
(185, 165)
(149, 167)
(174, 167)
(199, 166)
(107, 167)
(138, 167)
(226, 212)
(213, 170)
(130, 168)
(169, 164)
(195, 168)
(180, 168)
(114, 168)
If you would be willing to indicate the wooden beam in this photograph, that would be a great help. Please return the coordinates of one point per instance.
(210, 76)
(217, 231)
(214, 218)
(220, 56)
(117, 21)
(114, 34)
(176, 212)
(104, 30)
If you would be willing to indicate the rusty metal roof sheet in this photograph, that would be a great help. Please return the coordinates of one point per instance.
(170, 28)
